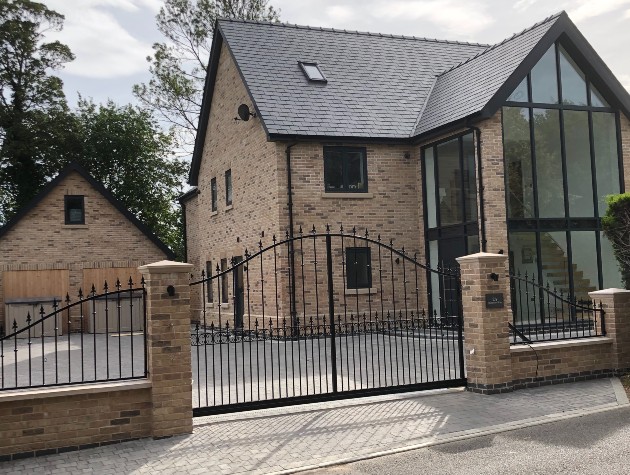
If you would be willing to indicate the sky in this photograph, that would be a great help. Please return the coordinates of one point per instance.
(112, 38)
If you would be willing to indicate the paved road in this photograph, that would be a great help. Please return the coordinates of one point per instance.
(293, 438)
(593, 444)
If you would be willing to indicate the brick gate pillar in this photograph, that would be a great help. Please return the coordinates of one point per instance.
(486, 313)
(168, 341)
(616, 306)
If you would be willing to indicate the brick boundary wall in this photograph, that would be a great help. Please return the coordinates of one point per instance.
(495, 366)
(42, 421)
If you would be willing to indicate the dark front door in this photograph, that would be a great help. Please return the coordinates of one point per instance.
(239, 292)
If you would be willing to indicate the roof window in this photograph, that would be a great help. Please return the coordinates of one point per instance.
(312, 72)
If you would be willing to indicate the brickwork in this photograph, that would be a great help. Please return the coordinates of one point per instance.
(71, 421)
(486, 344)
(168, 334)
(41, 240)
(616, 305)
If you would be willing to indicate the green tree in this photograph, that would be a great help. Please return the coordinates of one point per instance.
(125, 148)
(178, 66)
(33, 109)
(616, 224)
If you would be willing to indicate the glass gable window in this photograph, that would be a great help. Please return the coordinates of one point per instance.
(345, 170)
(561, 159)
(74, 209)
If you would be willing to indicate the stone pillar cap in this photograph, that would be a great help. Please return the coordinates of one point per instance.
(608, 292)
(165, 267)
(481, 256)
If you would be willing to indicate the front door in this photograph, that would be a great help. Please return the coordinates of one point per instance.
(239, 292)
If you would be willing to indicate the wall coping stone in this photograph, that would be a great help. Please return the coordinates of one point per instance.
(165, 267)
(482, 256)
(608, 292)
(551, 345)
(73, 390)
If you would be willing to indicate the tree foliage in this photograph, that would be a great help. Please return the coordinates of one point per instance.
(616, 224)
(125, 148)
(178, 66)
(33, 109)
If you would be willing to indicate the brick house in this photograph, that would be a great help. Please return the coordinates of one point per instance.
(447, 148)
(72, 235)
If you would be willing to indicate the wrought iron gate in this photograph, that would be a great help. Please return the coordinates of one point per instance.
(324, 316)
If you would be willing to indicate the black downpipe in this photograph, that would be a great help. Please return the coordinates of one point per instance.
(185, 231)
(482, 211)
(291, 246)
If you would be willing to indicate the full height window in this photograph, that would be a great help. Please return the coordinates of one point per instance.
(213, 193)
(74, 209)
(228, 188)
(209, 289)
(345, 170)
(358, 268)
(561, 150)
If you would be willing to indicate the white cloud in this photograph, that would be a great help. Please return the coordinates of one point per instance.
(523, 5)
(586, 9)
(103, 47)
(340, 13)
(455, 17)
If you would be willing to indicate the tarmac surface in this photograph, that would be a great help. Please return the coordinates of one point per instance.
(307, 437)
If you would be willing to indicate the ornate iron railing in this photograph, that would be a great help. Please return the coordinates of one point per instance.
(296, 330)
(98, 337)
(541, 313)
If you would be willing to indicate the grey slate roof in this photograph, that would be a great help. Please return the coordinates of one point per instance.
(467, 88)
(377, 84)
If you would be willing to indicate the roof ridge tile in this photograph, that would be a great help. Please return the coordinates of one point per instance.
(502, 42)
(352, 32)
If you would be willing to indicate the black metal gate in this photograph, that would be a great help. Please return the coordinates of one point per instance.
(324, 316)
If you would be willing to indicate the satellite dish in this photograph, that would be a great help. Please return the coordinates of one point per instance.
(244, 113)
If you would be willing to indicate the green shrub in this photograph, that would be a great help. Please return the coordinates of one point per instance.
(616, 224)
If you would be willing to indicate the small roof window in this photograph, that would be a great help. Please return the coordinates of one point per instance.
(312, 72)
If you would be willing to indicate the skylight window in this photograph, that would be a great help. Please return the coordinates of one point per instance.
(312, 72)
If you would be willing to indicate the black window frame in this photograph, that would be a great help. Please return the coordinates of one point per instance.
(351, 274)
(229, 189)
(213, 194)
(224, 282)
(345, 158)
(68, 200)
(304, 64)
(209, 292)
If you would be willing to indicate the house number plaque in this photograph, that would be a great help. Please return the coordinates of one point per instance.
(494, 301)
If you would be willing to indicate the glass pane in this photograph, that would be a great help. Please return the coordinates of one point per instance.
(520, 93)
(545, 79)
(572, 80)
(312, 71)
(610, 266)
(524, 263)
(585, 274)
(356, 171)
(470, 182)
(606, 158)
(435, 278)
(578, 153)
(333, 171)
(228, 187)
(358, 272)
(75, 215)
(518, 162)
(450, 183)
(473, 244)
(548, 163)
(213, 193)
(224, 282)
(597, 100)
(430, 187)
(555, 261)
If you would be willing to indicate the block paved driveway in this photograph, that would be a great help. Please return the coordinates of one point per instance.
(286, 439)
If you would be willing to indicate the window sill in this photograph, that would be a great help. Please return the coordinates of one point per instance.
(214, 213)
(228, 208)
(77, 226)
(370, 291)
(225, 305)
(210, 305)
(351, 196)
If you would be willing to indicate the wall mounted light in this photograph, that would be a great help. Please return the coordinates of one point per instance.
(170, 290)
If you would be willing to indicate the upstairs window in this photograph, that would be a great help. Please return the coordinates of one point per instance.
(74, 209)
(312, 72)
(228, 188)
(213, 193)
(358, 268)
(345, 170)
